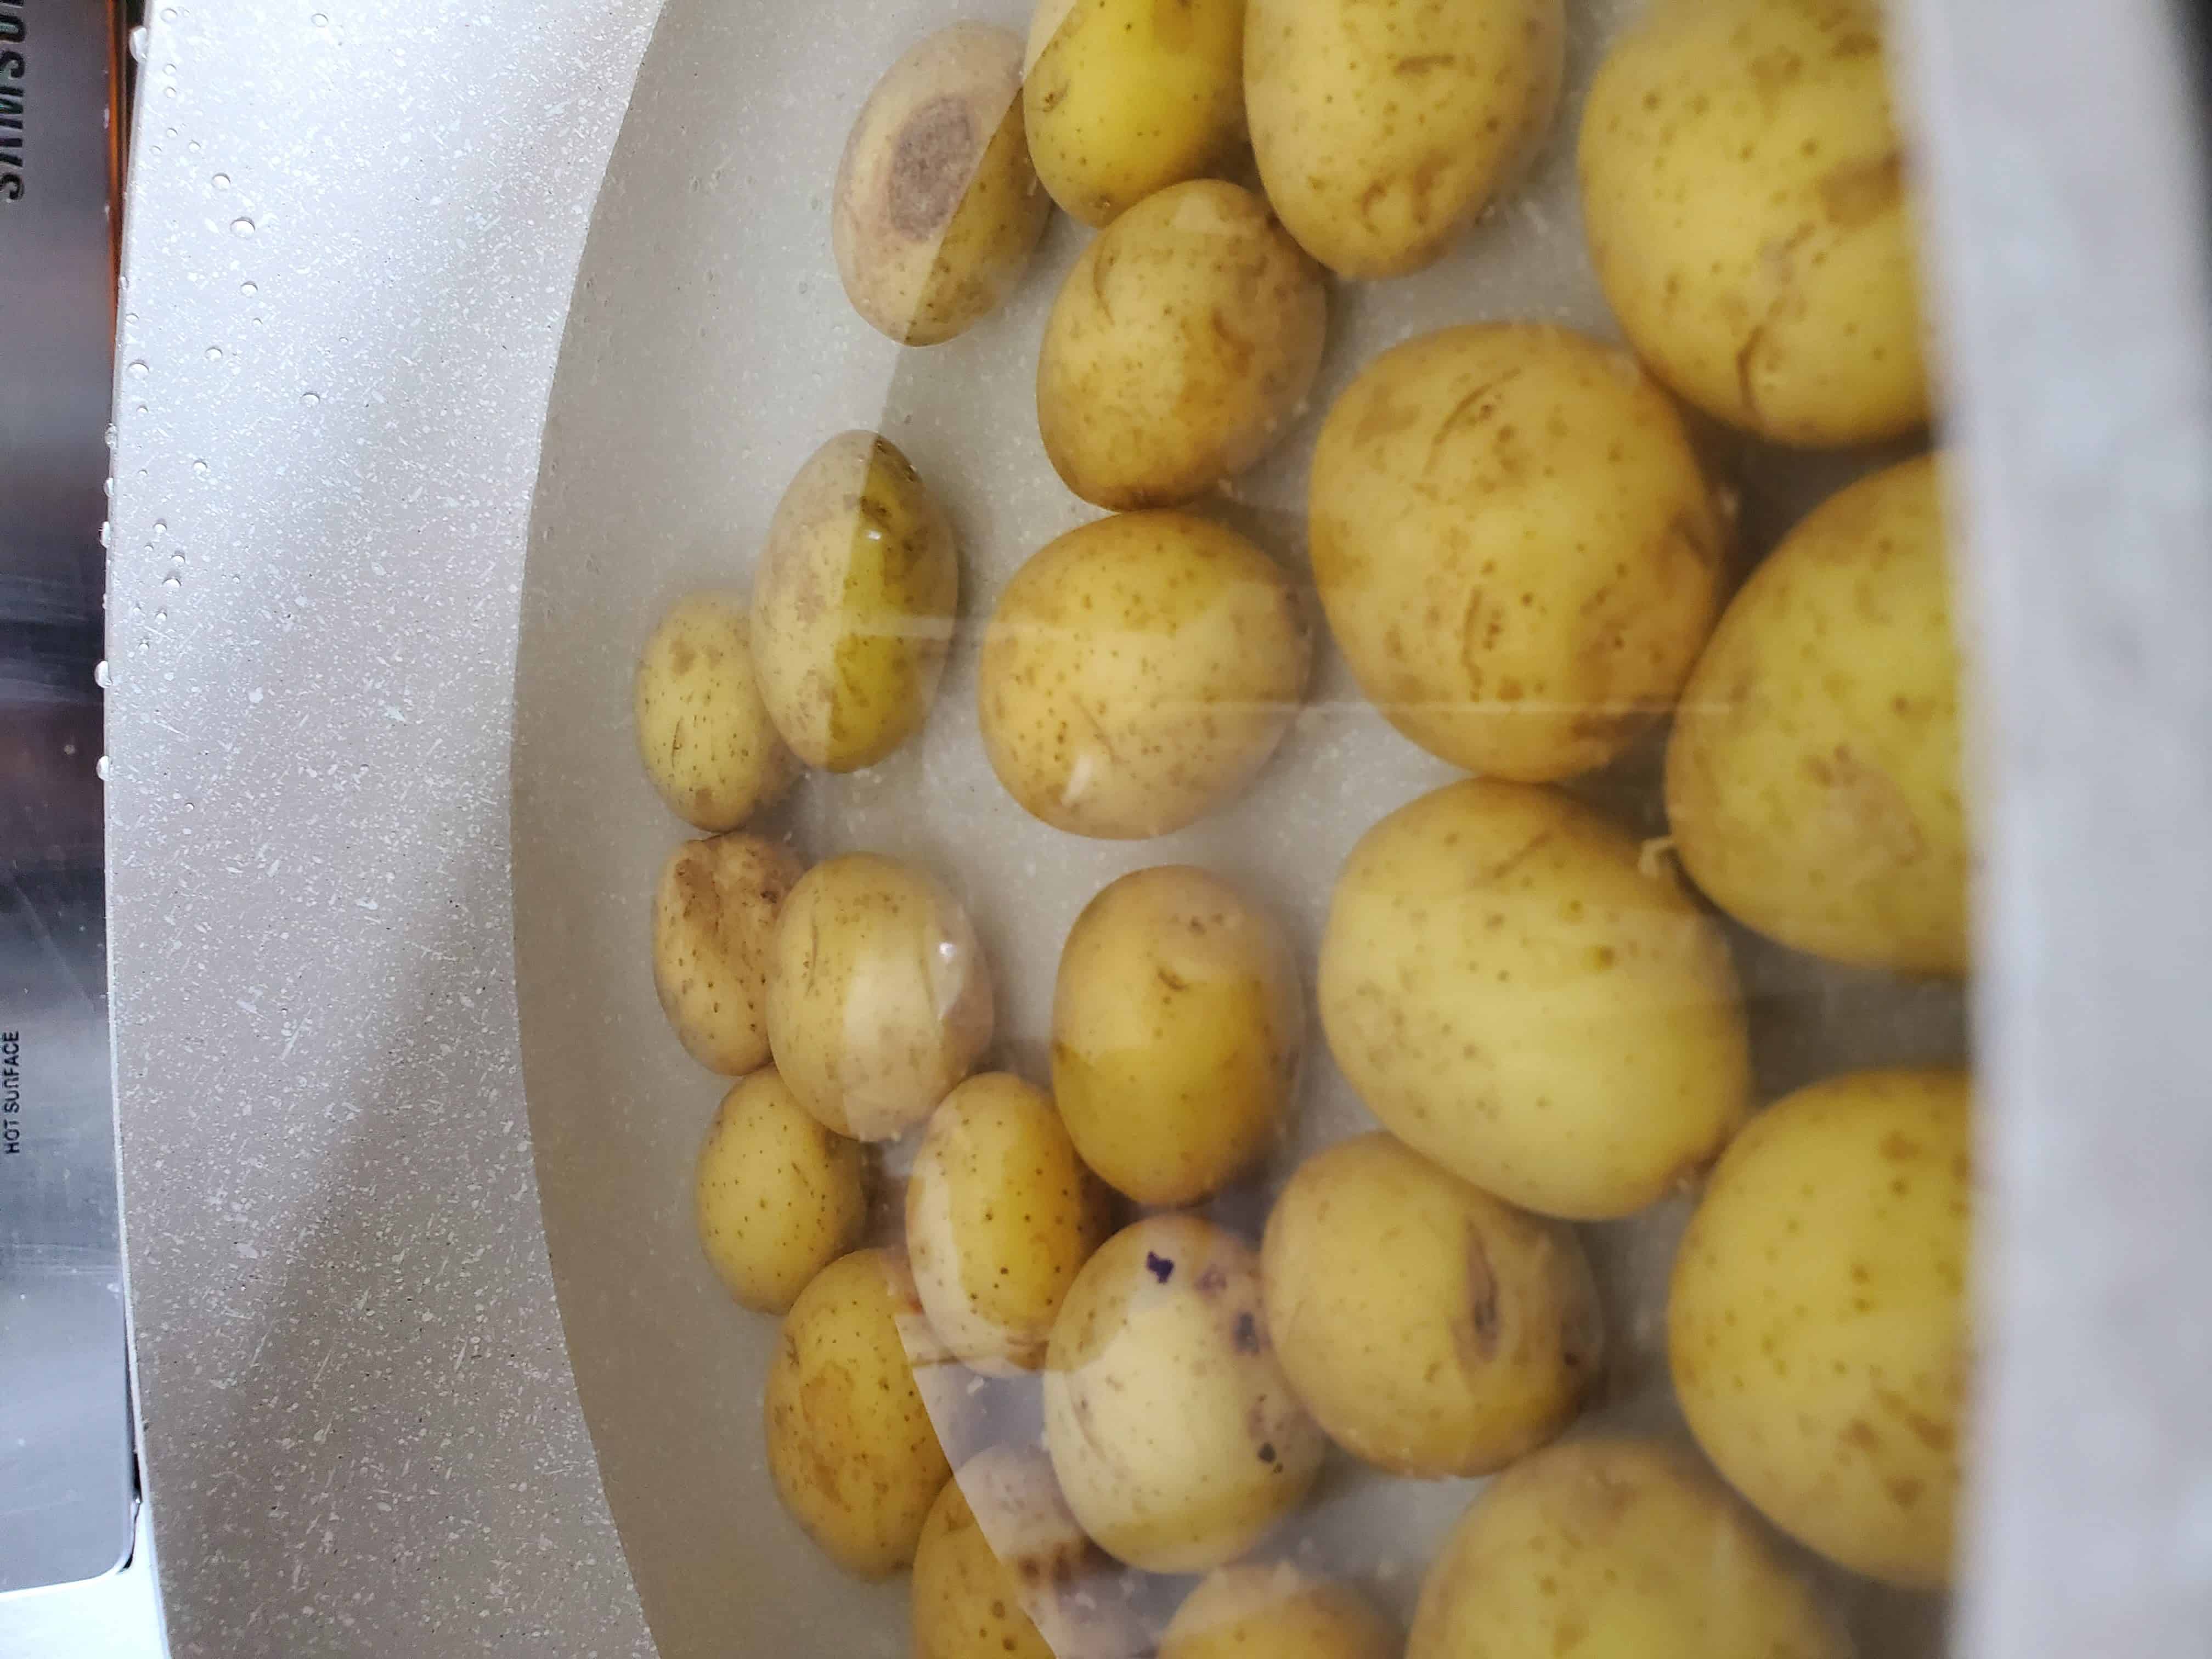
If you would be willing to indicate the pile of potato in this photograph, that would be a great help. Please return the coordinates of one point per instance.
(1523, 556)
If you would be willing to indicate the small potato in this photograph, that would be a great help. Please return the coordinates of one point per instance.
(703, 731)
(852, 603)
(1003, 1570)
(1813, 780)
(850, 1445)
(1432, 1330)
(1137, 672)
(1615, 1549)
(778, 1197)
(1515, 546)
(1000, 1215)
(879, 995)
(714, 917)
(1817, 1325)
(1172, 1428)
(1383, 128)
(937, 209)
(1184, 342)
(1127, 97)
(1519, 996)
(1176, 1023)
(1744, 189)
(1256, 1612)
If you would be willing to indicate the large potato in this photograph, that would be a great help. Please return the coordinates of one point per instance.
(1183, 342)
(1817, 1324)
(1515, 546)
(852, 603)
(1744, 192)
(714, 918)
(1813, 780)
(1176, 1023)
(1126, 97)
(1384, 127)
(1000, 1215)
(1172, 1428)
(937, 209)
(1432, 1330)
(1615, 1549)
(850, 1445)
(777, 1197)
(703, 731)
(1518, 994)
(1259, 1612)
(1137, 672)
(879, 995)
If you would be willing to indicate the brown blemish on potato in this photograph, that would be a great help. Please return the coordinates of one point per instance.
(933, 160)
(1476, 1336)
(1860, 191)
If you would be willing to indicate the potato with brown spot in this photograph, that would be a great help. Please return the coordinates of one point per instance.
(1137, 672)
(1433, 1330)
(777, 1197)
(1515, 545)
(937, 209)
(1258, 1611)
(1818, 1326)
(1748, 200)
(714, 915)
(703, 731)
(1182, 347)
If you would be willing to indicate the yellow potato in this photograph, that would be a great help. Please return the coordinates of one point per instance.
(1516, 550)
(852, 603)
(1003, 1569)
(1817, 1324)
(879, 995)
(850, 1446)
(1137, 672)
(1384, 127)
(1813, 780)
(1432, 1330)
(1745, 193)
(937, 207)
(1183, 342)
(1176, 1023)
(1126, 97)
(1519, 996)
(1000, 1214)
(714, 917)
(703, 731)
(777, 1197)
(1172, 1428)
(1615, 1549)
(1256, 1612)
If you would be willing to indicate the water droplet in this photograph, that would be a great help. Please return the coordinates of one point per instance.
(221, 181)
(106, 530)
(99, 674)
(168, 91)
(173, 581)
(110, 434)
(199, 469)
(162, 616)
(241, 227)
(193, 148)
(320, 22)
(168, 13)
(140, 408)
(107, 487)
(215, 354)
(161, 528)
(137, 44)
(100, 769)
(135, 368)
(177, 559)
(310, 399)
(168, 71)
(248, 290)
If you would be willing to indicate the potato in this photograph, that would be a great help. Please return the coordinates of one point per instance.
(1137, 672)
(1817, 1324)
(1744, 189)
(1250, 1611)
(937, 209)
(1176, 1023)
(714, 917)
(1000, 1214)
(1184, 341)
(852, 603)
(1516, 550)
(850, 1446)
(1126, 97)
(1432, 1330)
(879, 995)
(703, 731)
(1172, 1428)
(1813, 780)
(1003, 1570)
(777, 1197)
(1614, 1549)
(1517, 995)
(1384, 127)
